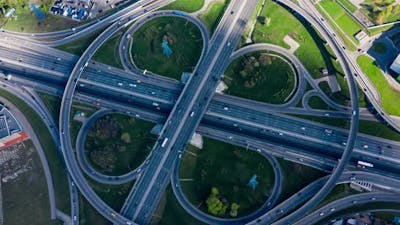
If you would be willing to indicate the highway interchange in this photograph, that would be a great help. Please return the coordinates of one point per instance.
(227, 118)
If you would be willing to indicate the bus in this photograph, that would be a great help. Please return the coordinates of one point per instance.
(362, 164)
(164, 142)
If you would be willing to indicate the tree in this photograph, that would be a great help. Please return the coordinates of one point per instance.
(126, 137)
(261, 19)
(214, 205)
(396, 9)
(381, 17)
(234, 209)
(389, 10)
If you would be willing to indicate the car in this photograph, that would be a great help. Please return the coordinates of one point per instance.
(332, 209)
(120, 84)
(74, 217)
(321, 214)
(232, 12)
(226, 108)
(352, 178)
(229, 44)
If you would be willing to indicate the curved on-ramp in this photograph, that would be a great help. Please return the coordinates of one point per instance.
(85, 165)
(126, 41)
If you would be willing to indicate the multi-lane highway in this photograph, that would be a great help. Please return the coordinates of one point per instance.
(226, 118)
(187, 113)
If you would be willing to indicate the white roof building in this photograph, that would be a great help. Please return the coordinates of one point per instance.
(396, 65)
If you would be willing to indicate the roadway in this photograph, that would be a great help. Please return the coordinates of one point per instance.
(341, 164)
(346, 202)
(218, 105)
(186, 114)
(66, 36)
(64, 121)
(314, 17)
(154, 88)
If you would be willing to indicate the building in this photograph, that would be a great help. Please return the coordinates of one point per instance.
(396, 65)
(360, 36)
(10, 129)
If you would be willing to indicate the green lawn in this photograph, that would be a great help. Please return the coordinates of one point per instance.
(108, 53)
(113, 195)
(260, 76)
(185, 5)
(348, 41)
(88, 215)
(387, 93)
(346, 23)
(316, 102)
(379, 47)
(25, 199)
(170, 212)
(184, 39)
(26, 20)
(109, 153)
(229, 168)
(339, 191)
(53, 158)
(312, 52)
(378, 129)
(348, 5)
(214, 13)
(296, 177)
(79, 46)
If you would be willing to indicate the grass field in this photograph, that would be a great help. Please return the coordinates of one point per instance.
(295, 177)
(213, 14)
(88, 215)
(260, 76)
(184, 39)
(348, 5)
(113, 195)
(387, 93)
(342, 19)
(312, 52)
(26, 20)
(26, 199)
(339, 191)
(79, 46)
(316, 102)
(54, 159)
(170, 212)
(108, 53)
(378, 129)
(109, 153)
(185, 5)
(229, 168)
